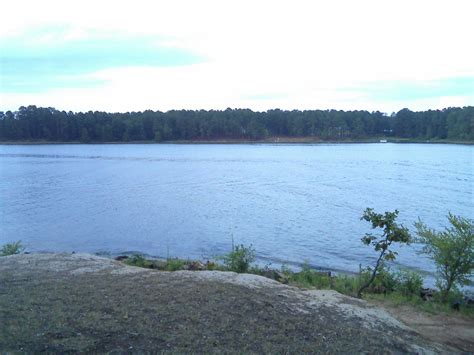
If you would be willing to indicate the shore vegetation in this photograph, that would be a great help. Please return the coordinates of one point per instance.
(391, 233)
(46, 124)
(452, 250)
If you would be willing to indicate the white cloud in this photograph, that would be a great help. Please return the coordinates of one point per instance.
(301, 52)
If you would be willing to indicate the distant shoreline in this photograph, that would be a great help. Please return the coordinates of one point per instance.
(270, 141)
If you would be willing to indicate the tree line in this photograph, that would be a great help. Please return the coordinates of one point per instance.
(33, 123)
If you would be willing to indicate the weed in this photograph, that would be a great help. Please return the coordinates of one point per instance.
(240, 258)
(175, 264)
(12, 248)
(384, 282)
(138, 260)
(346, 284)
(409, 283)
(308, 277)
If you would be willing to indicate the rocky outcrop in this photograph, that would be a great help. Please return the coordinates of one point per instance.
(86, 303)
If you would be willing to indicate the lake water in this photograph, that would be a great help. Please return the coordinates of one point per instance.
(292, 202)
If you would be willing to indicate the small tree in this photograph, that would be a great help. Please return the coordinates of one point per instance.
(452, 251)
(391, 233)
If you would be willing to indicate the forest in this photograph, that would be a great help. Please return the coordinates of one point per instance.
(33, 123)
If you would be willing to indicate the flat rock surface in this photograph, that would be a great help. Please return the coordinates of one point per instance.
(85, 303)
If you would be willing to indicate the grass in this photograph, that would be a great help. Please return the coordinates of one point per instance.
(308, 278)
(399, 288)
(395, 288)
(432, 307)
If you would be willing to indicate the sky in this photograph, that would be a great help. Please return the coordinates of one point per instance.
(121, 56)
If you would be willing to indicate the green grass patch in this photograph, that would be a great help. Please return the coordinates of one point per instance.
(434, 306)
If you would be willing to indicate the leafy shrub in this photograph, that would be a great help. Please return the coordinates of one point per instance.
(384, 281)
(12, 248)
(240, 258)
(174, 264)
(452, 250)
(409, 283)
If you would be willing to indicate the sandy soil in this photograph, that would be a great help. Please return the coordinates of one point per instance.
(454, 330)
(85, 303)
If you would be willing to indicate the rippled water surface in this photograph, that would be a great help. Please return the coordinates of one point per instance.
(292, 202)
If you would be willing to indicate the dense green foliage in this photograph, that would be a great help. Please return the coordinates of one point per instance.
(452, 251)
(11, 248)
(48, 124)
(240, 258)
(391, 233)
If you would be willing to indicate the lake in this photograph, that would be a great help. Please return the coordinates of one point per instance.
(291, 202)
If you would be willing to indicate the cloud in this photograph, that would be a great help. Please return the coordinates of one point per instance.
(257, 54)
(58, 57)
(399, 90)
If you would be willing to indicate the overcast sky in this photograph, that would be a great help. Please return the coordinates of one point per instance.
(162, 55)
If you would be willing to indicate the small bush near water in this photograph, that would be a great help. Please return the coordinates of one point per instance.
(385, 281)
(408, 283)
(452, 250)
(12, 248)
(140, 261)
(240, 258)
(175, 264)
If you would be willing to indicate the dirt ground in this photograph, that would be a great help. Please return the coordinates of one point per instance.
(453, 330)
(84, 303)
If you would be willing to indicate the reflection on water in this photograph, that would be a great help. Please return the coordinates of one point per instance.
(292, 202)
